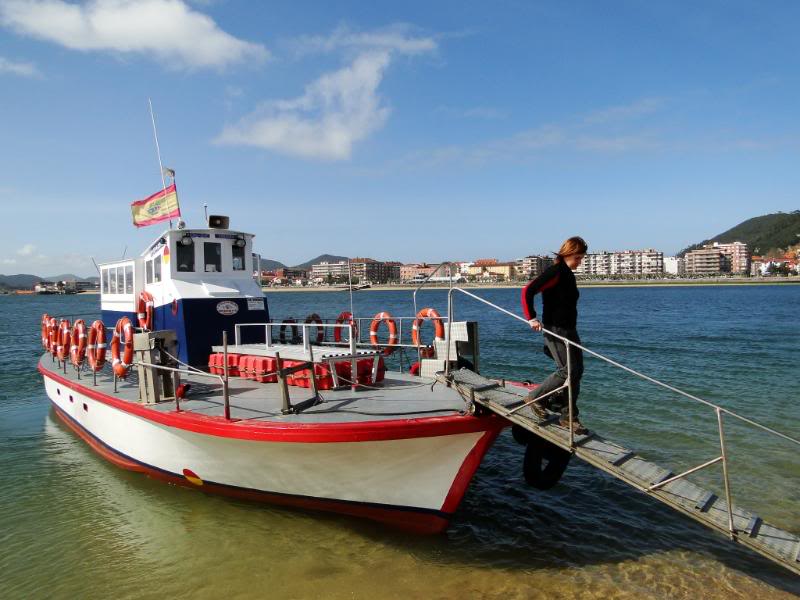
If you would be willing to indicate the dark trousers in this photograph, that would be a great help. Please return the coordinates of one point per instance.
(558, 352)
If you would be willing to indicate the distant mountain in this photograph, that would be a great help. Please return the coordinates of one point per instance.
(24, 281)
(70, 277)
(762, 234)
(270, 265)
(321, 258)
(19, 282)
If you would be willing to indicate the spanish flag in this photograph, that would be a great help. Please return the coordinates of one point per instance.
(159, 207)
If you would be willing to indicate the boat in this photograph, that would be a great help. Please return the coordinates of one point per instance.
(204, 391)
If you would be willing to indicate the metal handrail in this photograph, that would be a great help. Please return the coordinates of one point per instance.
(424, 281)
(719, 410)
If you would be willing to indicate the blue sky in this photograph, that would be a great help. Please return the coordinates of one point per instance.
(399, 130)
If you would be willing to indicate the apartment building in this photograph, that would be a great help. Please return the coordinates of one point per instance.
(706, 261)
(711, 259)
(493, 269)
(532, 266)
(416, 271)
(324, 270)
(628, 262)
(674, 265)
(375, 271)
(737, 255)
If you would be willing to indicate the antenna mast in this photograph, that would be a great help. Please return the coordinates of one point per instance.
(158, 153)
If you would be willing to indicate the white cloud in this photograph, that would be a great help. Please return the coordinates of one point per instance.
(394, 38)
(23, 69)
(338, 109)
(9, 261)
(27, 250)
(168, 30)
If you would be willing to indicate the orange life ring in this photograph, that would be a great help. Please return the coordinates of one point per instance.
(52, 335)
(63, 337)
(45, 332)
(424, 315)
(346, 316)
(123, 336)
(144, 310)
(96, 348)
(383, 317)
(78, 339)
(295, 331)
(315, 318)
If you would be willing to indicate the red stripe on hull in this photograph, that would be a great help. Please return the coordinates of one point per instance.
(396, 429)
(411, 520)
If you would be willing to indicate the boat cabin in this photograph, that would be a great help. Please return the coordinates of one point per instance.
(201, 283)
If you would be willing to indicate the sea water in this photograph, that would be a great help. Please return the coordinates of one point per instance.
(74, 526)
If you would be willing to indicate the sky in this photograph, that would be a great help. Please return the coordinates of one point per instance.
(410, 131)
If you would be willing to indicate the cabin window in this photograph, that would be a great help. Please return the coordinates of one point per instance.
(129, 279)
(112, 284)
(212, 257)
(157, 269)
(238, 258)
(185, 258)
(148, 268)
(104, 280)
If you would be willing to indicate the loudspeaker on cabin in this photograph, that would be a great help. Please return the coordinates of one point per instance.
(218, 222)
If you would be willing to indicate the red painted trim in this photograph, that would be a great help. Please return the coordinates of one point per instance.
(396, 429)
(415, 521)
(467, 470)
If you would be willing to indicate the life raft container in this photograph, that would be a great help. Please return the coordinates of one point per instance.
(144, 310)
(96, 348)
(315, 318)
(78, 339)
(122, 348)
(63, 337)
(427, 314)
(383, 317)
(345, 318)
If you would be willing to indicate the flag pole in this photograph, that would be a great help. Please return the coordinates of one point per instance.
(158, 152)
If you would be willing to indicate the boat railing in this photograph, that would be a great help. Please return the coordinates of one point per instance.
(360, 325)
(449, 265)
(718, 410)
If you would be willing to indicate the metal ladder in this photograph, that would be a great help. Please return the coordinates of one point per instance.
(674, 490)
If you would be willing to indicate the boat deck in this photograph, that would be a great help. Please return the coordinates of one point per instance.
(680, 494)
(398, 396)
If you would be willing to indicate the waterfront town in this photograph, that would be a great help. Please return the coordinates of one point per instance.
(712, 260)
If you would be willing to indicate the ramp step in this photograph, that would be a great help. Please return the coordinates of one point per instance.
(752, 526)
(621, 458)
(705, 501)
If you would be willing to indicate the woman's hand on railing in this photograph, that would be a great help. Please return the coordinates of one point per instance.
(535, 324)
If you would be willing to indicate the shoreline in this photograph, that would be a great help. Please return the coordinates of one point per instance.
(581, 284)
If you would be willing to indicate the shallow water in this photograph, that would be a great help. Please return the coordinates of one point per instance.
(72, 525)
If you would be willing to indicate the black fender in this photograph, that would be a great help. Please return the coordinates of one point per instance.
(544, 463)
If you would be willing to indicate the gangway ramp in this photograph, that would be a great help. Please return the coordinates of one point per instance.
(680, 494)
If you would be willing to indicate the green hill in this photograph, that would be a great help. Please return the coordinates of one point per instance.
(762, 234)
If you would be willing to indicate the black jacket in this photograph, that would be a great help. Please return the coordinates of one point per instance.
(559, 297)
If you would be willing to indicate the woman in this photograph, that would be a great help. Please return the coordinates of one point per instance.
(559, 316)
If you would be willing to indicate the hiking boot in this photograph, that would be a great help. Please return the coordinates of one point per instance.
(577, 426)
(539, 409)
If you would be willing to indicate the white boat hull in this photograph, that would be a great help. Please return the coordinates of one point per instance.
(413, 481)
